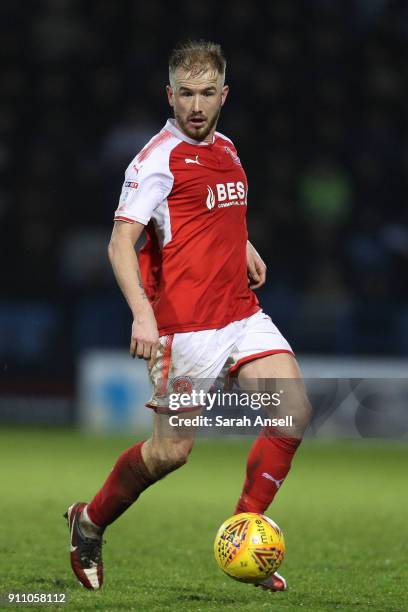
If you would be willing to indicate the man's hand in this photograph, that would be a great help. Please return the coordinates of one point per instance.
(145, 336)
(256, 267)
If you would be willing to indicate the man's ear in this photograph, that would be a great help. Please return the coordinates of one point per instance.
(170, 95)
(224, 94)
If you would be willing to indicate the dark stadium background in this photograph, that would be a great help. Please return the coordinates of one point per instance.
(317, 110)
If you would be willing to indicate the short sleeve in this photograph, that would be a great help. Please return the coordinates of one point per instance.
(146, 185)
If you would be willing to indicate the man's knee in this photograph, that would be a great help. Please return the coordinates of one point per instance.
(170, 454)
(301, 413)
(178, 451)
(297, 408)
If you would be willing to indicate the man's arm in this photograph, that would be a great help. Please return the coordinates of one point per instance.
(256, 267)
(122, 255)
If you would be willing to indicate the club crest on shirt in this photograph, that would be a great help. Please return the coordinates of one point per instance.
(233, 155)
(182, 384)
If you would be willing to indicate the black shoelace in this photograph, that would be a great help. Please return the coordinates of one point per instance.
(91, 551)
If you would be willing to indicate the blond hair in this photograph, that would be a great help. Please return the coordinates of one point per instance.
(196, 57)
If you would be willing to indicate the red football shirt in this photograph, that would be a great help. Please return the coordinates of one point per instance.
(192, 197)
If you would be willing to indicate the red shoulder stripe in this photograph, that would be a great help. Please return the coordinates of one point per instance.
(157, 141)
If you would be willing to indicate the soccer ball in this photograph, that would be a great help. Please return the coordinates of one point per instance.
(249, 547)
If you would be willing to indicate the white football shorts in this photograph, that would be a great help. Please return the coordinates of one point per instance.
(195, 360)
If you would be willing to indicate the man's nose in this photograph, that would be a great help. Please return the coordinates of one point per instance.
(196, 104)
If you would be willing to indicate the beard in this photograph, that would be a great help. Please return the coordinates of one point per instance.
(199, 132)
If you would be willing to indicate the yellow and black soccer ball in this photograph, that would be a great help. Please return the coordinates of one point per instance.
(249, 547)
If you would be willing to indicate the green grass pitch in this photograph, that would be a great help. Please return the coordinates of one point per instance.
(343, 510)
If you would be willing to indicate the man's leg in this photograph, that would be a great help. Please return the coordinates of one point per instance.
(271, 455)
(136, 469)
(139, 467)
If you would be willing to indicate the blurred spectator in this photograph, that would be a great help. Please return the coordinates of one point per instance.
(126, 138)
(325, 196)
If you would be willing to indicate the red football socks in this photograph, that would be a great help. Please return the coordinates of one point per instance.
(268, 464)
(128, 478)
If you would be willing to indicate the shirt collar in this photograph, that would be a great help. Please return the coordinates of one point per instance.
(172, 127)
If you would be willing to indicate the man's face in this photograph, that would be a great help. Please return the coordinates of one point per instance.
(197, 100)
